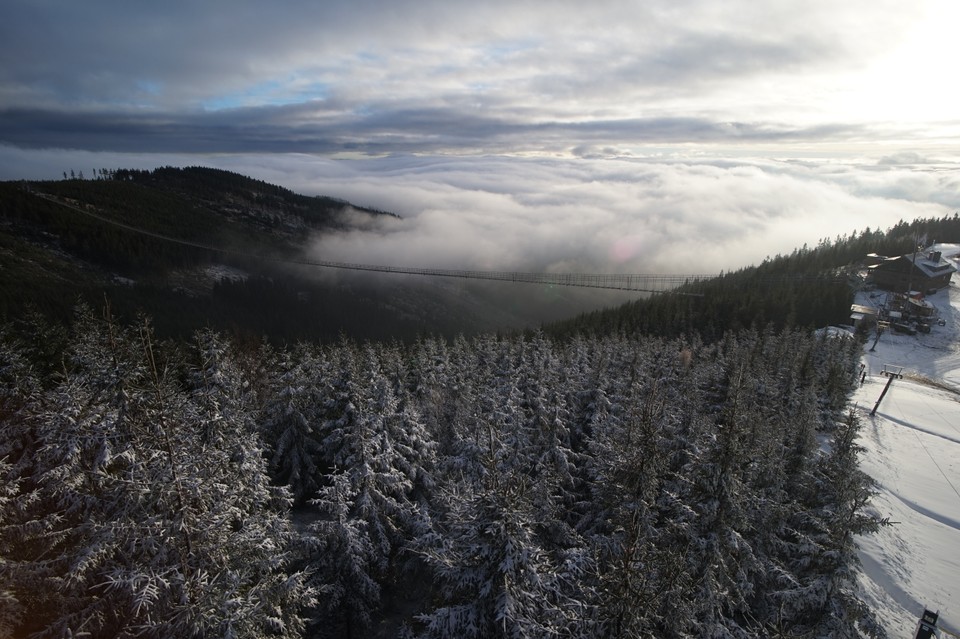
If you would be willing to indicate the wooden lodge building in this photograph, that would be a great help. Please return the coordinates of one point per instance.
(923, 271)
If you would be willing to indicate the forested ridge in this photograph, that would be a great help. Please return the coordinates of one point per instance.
(110, 238)
(810, 287)
(52, 255)
(195, 204)
(609, 486)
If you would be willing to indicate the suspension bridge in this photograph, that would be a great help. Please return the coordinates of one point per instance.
(645, 283)
(620, 282)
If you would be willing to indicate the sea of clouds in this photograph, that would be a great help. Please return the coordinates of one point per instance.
(615, 215)
(608, 215)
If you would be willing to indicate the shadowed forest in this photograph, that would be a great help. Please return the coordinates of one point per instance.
(485, 487)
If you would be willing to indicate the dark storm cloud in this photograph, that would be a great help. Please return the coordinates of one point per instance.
(153, 132)
(302, 129)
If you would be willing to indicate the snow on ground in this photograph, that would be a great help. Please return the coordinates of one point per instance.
(217, 272)
(913, 452)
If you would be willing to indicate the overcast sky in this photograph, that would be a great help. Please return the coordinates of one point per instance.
(596, 132)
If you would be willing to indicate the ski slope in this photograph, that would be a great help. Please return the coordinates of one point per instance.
(912, 450)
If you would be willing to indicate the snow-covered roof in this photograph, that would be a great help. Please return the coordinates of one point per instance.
(930, 264)
(863, 309)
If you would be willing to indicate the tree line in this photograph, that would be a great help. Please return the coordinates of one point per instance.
(810, 287)
(477, 487)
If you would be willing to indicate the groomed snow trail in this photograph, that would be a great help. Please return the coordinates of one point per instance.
(913, 452)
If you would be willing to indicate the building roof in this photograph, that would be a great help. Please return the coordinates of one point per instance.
(863, 310)
(933, 265)
(930, 264)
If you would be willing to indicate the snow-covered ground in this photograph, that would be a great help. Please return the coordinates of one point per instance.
(913, 452)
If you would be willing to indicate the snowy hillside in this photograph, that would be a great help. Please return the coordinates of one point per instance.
(913, 452)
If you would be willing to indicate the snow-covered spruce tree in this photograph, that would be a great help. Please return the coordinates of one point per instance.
(242, 518)
(443, 380)
(766, 387)
(135, 528)
(545, 420)
(357, 443)
(344, 562)
(774, 418)
(754, 467)
(11, 573)
(369, 508)
(721, 553)
(814, 377)
(640, 528)
(823, 601)
(629, 472)
(835, 363)
(18, 387)
(414, 447)
(553, 467)
(72, 514)
(431, 384)
(590, 418)
(465, 389)
(292, 419)
(496, 578)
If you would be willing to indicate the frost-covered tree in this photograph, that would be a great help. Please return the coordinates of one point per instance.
(415, 450)
(822, 600)
(240, 512)
(432, 384)
(545, 419)
(512, 486)
(18, 386)
(292, 420)
(344, 564)
(145, 508)
(368, 505)
(358, 444)
(722, 552)
(465, 380)
(496, 576)
(493, 548)
(641, 526)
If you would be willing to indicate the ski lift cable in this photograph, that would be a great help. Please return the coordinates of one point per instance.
(935, 463)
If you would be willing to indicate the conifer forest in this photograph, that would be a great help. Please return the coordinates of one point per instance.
(488, 486)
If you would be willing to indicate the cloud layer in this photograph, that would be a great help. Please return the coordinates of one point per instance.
(582, 214)
(376, 77)
(617, 216)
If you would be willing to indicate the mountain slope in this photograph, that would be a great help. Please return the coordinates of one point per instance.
(68, 239)
(137, 238)
(811, 287)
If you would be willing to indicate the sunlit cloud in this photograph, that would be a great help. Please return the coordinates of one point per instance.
(616, 215)
(578, 215)
(624, 137)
